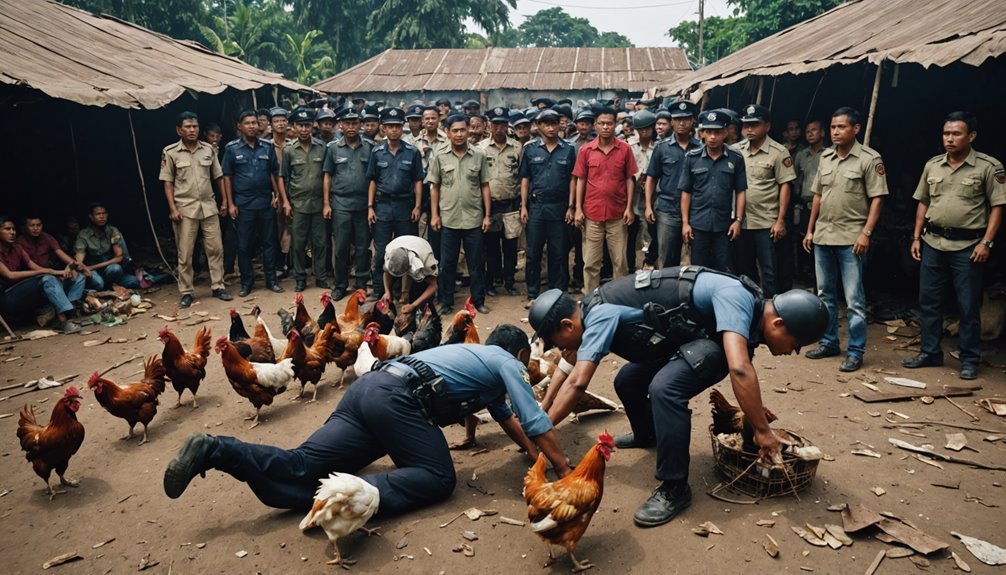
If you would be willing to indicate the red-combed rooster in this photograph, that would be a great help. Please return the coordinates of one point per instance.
(50, 448)
(185, 368)
(328, 310)
(463, 328)
(256, 347)
(350, 318)
(256, 382)
(309, 362)
(134, 402)
(560, 511)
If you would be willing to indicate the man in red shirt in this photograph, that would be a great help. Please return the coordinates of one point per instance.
(604, 169)
(42, 248)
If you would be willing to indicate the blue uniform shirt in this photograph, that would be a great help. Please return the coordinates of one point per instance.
(666, 163)
(251, 170)
(712, 184)
(395, 174)
(348, 167)
(548, 173)
(491, 373)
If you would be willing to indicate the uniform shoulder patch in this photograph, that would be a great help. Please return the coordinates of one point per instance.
(1000, 175)
(880, 168)
(788, 161)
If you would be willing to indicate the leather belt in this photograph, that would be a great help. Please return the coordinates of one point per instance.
(953, 233)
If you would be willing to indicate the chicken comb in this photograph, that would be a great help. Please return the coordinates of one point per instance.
(164, 331)
(298, 298)
(382, 305)
(606, 439)
(234, 313)
(72, 392)
(326, 298)
(361, 295)
(93, 379)
(221, 340)
(470, 307)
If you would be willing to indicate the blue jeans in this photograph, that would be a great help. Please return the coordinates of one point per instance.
(542, 230)
(104, 278)
(939, 270)
(378, 417)
(257, 227)
(836, 264)
(21, 299)
(451, 241)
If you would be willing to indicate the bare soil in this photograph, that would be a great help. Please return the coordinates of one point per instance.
(120, 498)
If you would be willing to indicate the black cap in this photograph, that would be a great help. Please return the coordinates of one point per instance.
(278, 111)
(499, 114)
(713, 119)
(359, 101)
(414, 111)
(324, 114)
(539, 310)
(392, 116)
(755, 113)
(682, 109)
(370, 113)
(643, 119)
(443, 102)
(564, 110)
(348, 113)
(564, 102)
(471, 104)
(302, 116)
(547, 115)
(517, 118)
(663, 114)
(585, 114)
(543, 102)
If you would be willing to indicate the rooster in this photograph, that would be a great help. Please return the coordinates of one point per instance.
(560, 511)
(50, 448)
(328, 310)
(383, 314)
(135, 402)
(349, 319)
(309, 362)
(343, 504)
(186, 369)
(462, 328)
(730, 419)
(253, 348)
(278, 345)
(428, 330)
(237, 331)
(256, 382)
(385, 347)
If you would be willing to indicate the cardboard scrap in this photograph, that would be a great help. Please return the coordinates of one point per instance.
(982, 550)
(996, 406)
(956, 441)
(858, 517)
(905, 382)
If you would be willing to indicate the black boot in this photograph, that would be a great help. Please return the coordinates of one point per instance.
(663, 505)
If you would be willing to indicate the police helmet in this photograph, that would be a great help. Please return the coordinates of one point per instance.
(803, 313)
(538, 315)
(643, 119)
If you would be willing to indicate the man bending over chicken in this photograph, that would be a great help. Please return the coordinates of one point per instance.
(683, 329)
(394, 410)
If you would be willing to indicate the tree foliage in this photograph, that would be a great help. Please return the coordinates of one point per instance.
(553, 27)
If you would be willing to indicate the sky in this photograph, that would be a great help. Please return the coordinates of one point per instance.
(644, 22)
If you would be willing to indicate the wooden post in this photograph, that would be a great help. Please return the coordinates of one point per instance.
(761, 89)
(771, 96)
(873, 103)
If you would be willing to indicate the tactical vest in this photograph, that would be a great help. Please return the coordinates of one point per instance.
(669, 315)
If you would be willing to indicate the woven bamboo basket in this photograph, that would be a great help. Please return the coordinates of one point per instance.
(741, 473)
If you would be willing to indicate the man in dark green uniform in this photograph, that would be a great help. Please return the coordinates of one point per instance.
(302, 183)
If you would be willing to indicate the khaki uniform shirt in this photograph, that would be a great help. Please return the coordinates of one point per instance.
(460, 181)
(192, 174)
(427, 146)
(422, 262)
(805, 163)
(642, 158)
(961, 197)
(96, 247)
(303, 177)
(503, 163)
(846, 186)
(768, 168)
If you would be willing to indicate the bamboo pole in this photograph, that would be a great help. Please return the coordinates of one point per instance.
(873, 103)
(761, 89)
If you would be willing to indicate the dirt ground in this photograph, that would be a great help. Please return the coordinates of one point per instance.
(120, 498)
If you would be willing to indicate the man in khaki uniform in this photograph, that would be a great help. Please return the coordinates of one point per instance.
(849, 193)
(770, 171)
(460, 206)
(503, 158)
(429, 139)
(302, 182)
(961, 196)
(188, 169)
(805, 164)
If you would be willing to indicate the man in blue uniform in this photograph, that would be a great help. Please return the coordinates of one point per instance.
(682, 330)
(250, 169)
(394, 410)
(396, 175)
(713, 181)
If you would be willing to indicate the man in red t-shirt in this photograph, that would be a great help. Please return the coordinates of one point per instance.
(604, 169)
(42, 248)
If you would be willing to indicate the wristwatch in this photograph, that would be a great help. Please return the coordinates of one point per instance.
(739, 219)
(987, 243)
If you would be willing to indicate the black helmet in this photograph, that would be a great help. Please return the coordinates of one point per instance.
(803, 313)
(541, 306)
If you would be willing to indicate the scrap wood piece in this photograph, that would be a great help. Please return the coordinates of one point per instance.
(961, 564)
(912, 537)
(905, 382)
(958, 426)
(876, 562)
(120, 364)
(61, 559)
(948, 391)
(948, 458)
(995, 406)
(956, 441)
(857, 517)
(982, 550)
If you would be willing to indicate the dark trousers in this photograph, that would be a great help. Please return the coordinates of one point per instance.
(653, 249)
(309, 229)
(257, 228)
(939, 271)
(451, 241)
(574, 242)
(229, 232)
(385, 230)
(350, 228)
(755, 252)
(785, 256)
(374, 419)
(630, 244)
(655, 397)
(501, 259)
(541, 231)
(712, 250)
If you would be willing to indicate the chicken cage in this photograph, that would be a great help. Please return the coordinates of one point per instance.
(741, 471)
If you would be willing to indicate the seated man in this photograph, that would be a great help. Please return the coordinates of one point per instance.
(412, 256)
(27, 285)
(99, 250)
(381, 415)
(42, 248)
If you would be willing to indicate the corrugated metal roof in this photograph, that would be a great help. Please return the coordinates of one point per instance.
(96, 60)
(930, 33)
(520, 68)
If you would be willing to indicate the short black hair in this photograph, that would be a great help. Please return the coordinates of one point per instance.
(563, 308)
(509, 337)
(848, 112)
(968, 118)
(31, 216)
(95, 205)
(212, 127)
(456, 118)
(605, 111)
(186, 116)
(261, 112)
(4, 219)
(245, 113)
(820, 124)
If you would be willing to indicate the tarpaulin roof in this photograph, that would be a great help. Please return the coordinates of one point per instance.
(98, 60)
(930, 33)
(517, 68)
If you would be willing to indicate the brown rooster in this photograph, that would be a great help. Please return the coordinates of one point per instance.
(50, 448)
(186, 369)
(309, 362)
(135, 402)
(256, 382)
(256, 347)
(350, 318)
(346, 349)
(463, 328)
(730, 419)
(560, 511)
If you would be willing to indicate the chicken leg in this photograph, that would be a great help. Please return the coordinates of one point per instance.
(339, 560)
(254, 418)
(579, 566)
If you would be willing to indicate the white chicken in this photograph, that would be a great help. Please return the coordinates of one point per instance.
(278, 345)
(343, 504)
(365, 360)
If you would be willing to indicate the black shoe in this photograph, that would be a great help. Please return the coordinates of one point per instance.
(339, 293)
(481, 308)
(628, 441)
(244, 291)
(222, 294)
(969, 371)
(923, 360)
(322, 284)
(300, 286)
(491, 292)
(662, 506)
(186, 301)
(283, 273)
(190, 461)
(851, 363)
(822, 352)
(276, 288)
(512, 291)
(446, 309)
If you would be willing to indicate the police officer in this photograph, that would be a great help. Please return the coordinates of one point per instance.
(961, 195)
(682, 330)
(663, 196)
(188, 169)
(250, 169)
(548, 199)
(769, 170)
(642, 145)
(848, 196)
(521, 126)
(395, 171)
(542, 103)
(325, 119)
(371, 118)
(279, 124)
(414, 116)
(805, 165)
(471, 108)
(302, 182)
(99, 254)
(394, 410)
(347, 162)
(503, 159)
(663, 124)
(713, 181)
